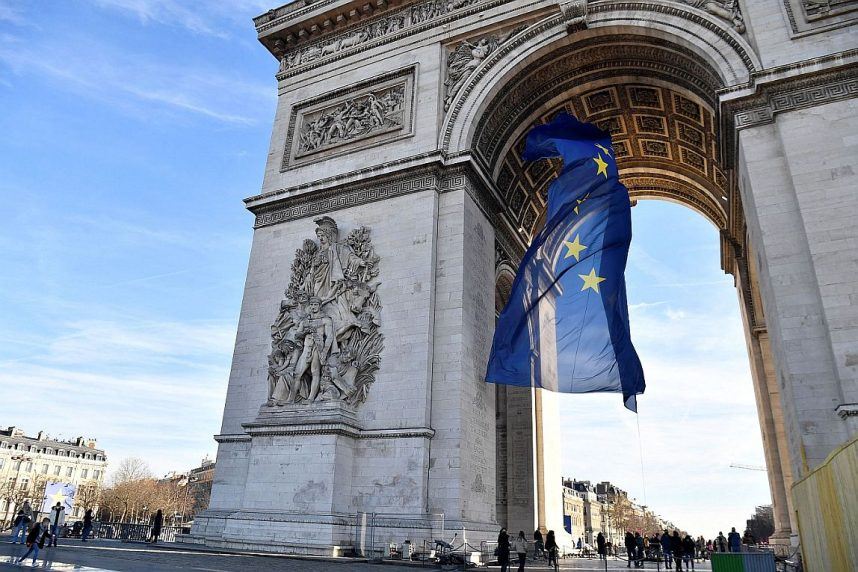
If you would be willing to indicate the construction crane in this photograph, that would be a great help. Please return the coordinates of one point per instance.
(748, 467)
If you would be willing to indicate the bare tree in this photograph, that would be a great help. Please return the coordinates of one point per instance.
(131, 469)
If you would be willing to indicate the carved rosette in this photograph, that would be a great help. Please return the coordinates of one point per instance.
(326, 341)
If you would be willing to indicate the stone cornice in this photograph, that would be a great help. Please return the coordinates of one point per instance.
(336, 428)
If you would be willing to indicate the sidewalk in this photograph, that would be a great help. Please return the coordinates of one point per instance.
(115, 556)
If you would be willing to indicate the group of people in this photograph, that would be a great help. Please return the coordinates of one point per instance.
(37, 534)
(676, 550)
(543, 547)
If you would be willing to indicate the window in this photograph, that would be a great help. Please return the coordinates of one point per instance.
(57, 470)
(84, 473)
(70, 472)
(4, 445)
(2, 463)
(29, 466)
(96, 474)
(45, 469)
(25, 483)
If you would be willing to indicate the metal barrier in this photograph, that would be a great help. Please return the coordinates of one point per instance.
(131, 532)
(743, 562)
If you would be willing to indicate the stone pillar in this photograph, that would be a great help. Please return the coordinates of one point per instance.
(797, 179)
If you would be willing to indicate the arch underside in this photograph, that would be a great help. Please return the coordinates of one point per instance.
(657, 99)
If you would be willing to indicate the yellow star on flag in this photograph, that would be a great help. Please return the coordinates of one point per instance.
(601, 165)
(59, 497)
(574, 248)
(591, 281)
(605, 150)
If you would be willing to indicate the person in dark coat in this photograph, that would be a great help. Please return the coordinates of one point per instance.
(552, 549)
(87, 525)
(538, 544)
(36, 539)
(156, 526)
(734, 541)
(688, 548)
(677, 548)
(667, 549)
(503, 550)
(631, 547)
(640, 549)
(602, 547)
(20, 525)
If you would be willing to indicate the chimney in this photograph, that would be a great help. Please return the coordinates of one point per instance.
(41, 436)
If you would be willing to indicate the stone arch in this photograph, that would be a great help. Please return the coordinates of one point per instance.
(729, 55)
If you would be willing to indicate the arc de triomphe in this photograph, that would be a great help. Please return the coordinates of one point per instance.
(395, 207)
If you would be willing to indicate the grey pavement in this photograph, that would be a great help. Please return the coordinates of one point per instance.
(109, 556)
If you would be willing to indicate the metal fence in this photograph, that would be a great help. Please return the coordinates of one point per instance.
(130, 532)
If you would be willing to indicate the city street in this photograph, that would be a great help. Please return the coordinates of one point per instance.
(111, 556)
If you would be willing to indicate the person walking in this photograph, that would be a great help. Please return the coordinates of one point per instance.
(639, 550)
(36, 539)
(601, 547)
(87, 525)
(721, 543)
(688, 549)
(58, 518)
(520, 547)
(552, 549)
(734, 541)
(667, 549)
(156, 526)
(676, 547)
(503, 550)
(631, 546)
(20, 525)
(538, 544)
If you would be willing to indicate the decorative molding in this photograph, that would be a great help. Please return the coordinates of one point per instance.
(336, 428)
(808, 17)
(232, 438)
(574, 14)
(346, 196)
(380, 30)
(369, 113)
(727, 10)
(791, 95)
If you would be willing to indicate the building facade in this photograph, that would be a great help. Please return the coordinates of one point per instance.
(28, 463)
(395, 208)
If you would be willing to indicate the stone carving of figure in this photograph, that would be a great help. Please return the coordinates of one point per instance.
(325, 341)
(727, 9)
(463, 60)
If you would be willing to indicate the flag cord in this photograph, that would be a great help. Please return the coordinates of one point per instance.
(640, 450)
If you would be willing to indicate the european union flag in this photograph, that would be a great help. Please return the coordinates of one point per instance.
(566, 325)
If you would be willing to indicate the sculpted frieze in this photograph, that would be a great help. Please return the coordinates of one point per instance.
(467, 56)
(326, 341)
(351, 118)
(728, 10)
(387, 25)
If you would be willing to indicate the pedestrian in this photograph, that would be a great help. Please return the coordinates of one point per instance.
(677, 548)
(721, 542)
(87, 525)
(688, 549)
(734, 541)
(553, 549)
(631, 547)
(36, 539)
(639, 550)
(710, 546)
(667, 549)
(602, 547)
(520, 547)
(748, 538)
(58, 518)
(538, 544)
(156, 526)
(20, 526)
(655, 546)
(503, 550)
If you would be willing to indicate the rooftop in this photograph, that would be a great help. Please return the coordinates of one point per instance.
(15, 435)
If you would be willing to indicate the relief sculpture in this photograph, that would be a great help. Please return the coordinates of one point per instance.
(326, 342)
(375, 112)
(726, 9)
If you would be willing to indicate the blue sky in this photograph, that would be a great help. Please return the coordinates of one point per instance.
(130, 130)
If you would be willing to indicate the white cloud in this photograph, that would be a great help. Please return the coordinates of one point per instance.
(152, 389)
(138, 83)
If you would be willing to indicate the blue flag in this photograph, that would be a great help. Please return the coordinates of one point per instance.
(566, 324)
(62, 493)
